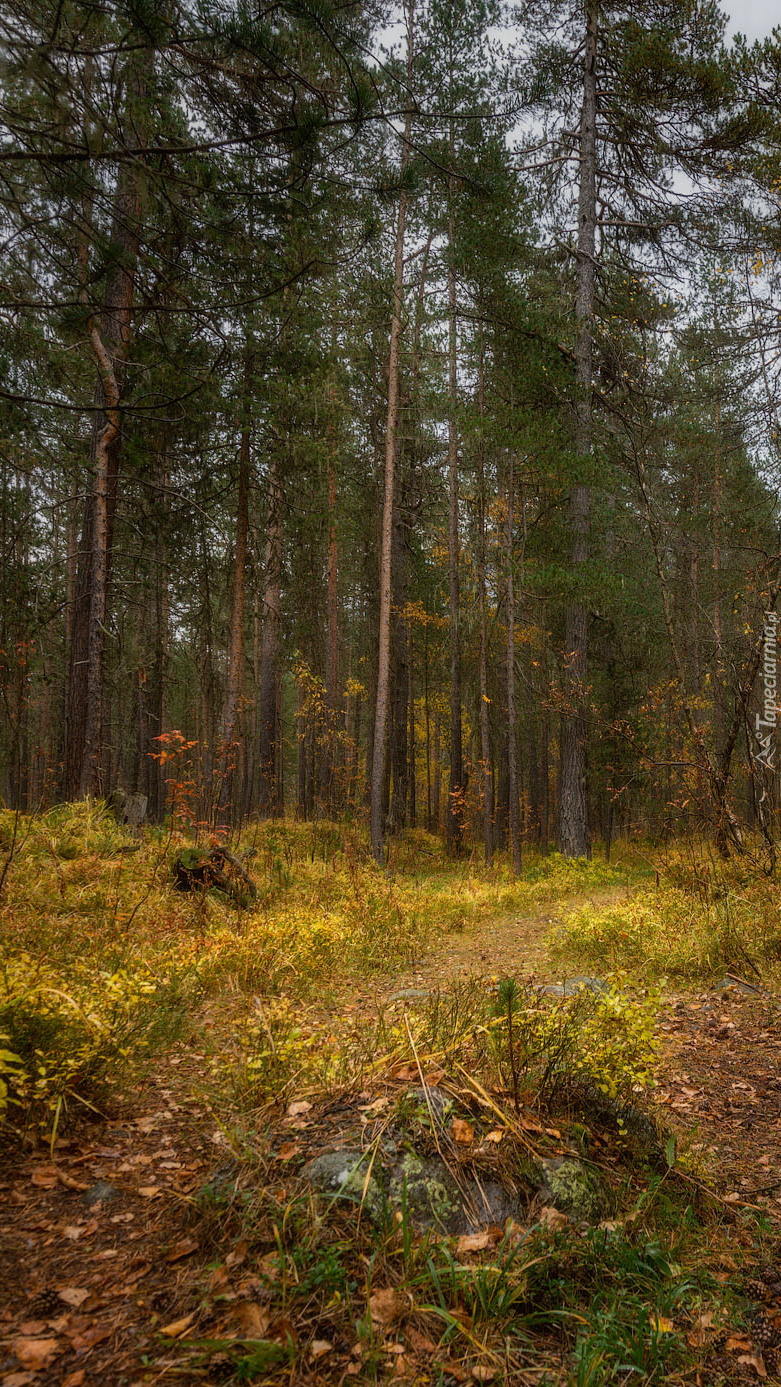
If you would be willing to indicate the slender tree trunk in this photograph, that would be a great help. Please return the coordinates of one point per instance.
(455, 807)
(485, 728)
(269, 787)
(514, 824)
(236, 639)
(109, 335)
(413, 789)
(574, 831)
(383, 658)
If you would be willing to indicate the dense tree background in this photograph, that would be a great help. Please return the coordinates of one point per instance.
(264, 267)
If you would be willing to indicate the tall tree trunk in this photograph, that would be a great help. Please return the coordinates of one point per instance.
(269, 786)
(574, 831)
(485, 729)
(514, 823)
(383, 658)
(236, 638)
(109, 335)
(455, 807)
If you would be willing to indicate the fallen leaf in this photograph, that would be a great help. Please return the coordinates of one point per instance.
(483, 1373)
(45, 1177)
(184, 1248)
(149, 1191)
(406, 1072)
(473, 1242)
(177, 1328)
(298, 1109)
(755, 1361)
(495, 1136)
(386, 1305)
(17, 1379)
(252, 1319)
(463, 1131)
(420, 1343)
(553, 1219)
(36, 1354)
(662, 1325)
(73, 1295)
(287, 1150)
(738, 1341)
(237, 1255)
(75, 1379)
(319, 1348)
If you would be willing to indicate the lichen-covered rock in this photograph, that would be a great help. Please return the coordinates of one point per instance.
(569, 1185)
(432, 1197)
(430, 1102)
(343, 1175)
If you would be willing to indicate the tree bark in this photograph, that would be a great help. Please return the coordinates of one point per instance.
(383, 658)
(574, 833)
(514, 823)
(455, 806)
(269, 787)
(236, 639)
(485, 729)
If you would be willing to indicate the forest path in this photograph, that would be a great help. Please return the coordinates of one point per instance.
(503, 946)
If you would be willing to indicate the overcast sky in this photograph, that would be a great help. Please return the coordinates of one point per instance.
(754, 18)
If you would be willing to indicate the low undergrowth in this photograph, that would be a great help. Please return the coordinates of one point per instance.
(702, 918)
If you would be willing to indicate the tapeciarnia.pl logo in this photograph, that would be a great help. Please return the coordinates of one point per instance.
(766, 721)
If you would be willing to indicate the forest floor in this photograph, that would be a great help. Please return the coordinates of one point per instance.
(169, 1235)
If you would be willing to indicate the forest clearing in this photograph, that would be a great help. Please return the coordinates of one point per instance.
(390, 804)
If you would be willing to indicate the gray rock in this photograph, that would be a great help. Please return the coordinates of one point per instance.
(342, 1175)
(100, 1193)
(747, 988)
(439, 1104)
(408, 994)
(569, 1185)
(573, 986)
(429, 1193)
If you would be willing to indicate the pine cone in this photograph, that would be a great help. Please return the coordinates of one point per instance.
(44, 1303)
(764, 1332)
(772, 1361)
(756, 1289)
(768, 1273)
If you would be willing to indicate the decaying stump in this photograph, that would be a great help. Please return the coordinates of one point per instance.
(197, 870)
(129, 810)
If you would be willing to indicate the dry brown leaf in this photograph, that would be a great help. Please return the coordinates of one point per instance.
(319, 1348)
(69, 1182)
(237, 1255)
(36, 1354)
(149, 1191)
(420, 1343)
(481, 1372)
(252, 1319)
(495, 1136)
(45, 1177)
(184, 1248)
(73, 1296)
(407, 1072)
(463, 1131)
(177, 1328)
(287, 1150)
(738, 1341)
(755, 1361)
(18, 1379)
(553, 1219)
(76, 1379)
(298, 1109)
(386, 1305)
(473, 1242)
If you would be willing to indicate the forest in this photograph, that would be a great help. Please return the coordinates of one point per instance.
(390, 552)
